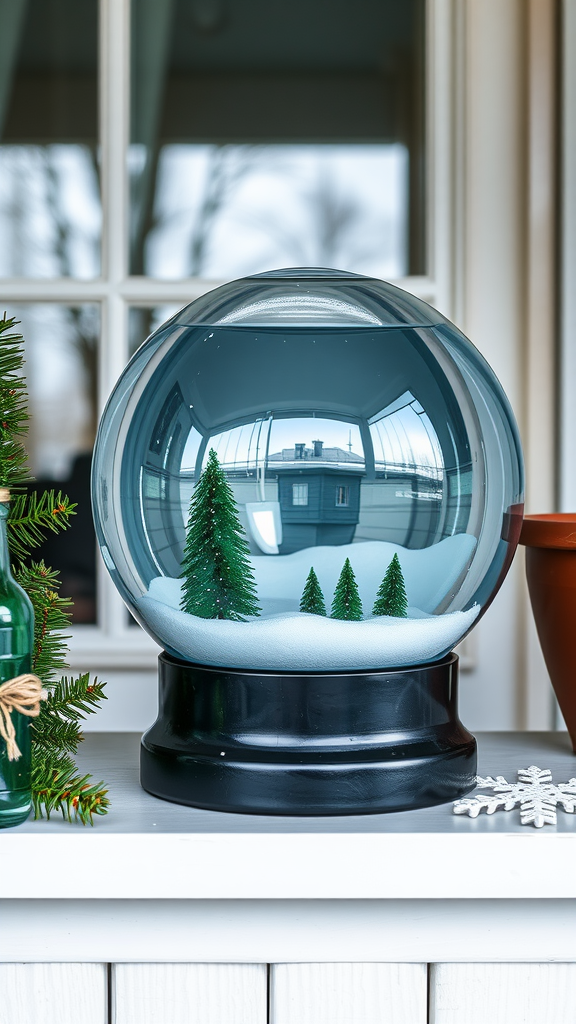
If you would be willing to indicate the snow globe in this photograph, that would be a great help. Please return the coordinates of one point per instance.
(307, 487)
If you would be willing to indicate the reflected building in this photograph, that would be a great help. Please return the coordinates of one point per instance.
(318, 493)
(398, 479)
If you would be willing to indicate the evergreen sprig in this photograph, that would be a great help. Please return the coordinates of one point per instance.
(73, 699)
(53, 731)
(51, 616)
(32, 516)
(55, 735)
(13, 408)
(57, 786)
(56, 783)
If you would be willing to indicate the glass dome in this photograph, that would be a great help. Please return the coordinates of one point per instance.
(308, 420)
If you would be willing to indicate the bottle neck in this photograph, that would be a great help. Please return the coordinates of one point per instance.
(4, 553)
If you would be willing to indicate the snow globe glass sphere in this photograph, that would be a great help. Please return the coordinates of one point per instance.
(307, 487)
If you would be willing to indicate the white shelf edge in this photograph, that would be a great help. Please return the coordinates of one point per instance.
(296, 866)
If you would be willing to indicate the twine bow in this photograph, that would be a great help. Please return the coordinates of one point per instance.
(22, 694)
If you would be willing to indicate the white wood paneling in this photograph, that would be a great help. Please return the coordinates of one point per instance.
(53, 994)
(365, 993)
(189, 994)
(502, 994)
(288, 931)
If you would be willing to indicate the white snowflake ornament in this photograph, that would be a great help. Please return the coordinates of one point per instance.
(535, 792)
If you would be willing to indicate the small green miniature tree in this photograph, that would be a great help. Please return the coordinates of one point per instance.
(312, 600)
(347, 603)
(218, 578)
(391, 597)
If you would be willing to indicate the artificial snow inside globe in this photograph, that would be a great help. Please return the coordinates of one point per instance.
(307, 487)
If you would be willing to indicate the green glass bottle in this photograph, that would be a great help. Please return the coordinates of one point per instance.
(16, 643)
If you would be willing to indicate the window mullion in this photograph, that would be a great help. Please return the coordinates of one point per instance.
(442, 161)
(114, 127)
(114, 117)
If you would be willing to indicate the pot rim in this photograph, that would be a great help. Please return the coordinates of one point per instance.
(549, 530)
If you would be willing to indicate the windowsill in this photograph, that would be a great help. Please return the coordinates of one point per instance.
(91, 649)
(147, 848)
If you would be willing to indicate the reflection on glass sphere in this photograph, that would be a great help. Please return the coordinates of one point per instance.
(347, 422)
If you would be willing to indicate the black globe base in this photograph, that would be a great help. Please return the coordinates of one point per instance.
(318, 744)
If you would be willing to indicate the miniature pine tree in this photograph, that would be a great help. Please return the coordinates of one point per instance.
(56, 783)
(312, 600)
(347, 603)
(218, 578)
(391, 597)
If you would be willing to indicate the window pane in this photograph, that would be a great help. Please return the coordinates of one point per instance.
(49, 178)
(144, 320)
(61, 348)
(265, 135)
(299, 494)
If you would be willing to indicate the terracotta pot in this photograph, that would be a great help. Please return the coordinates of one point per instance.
(550, 542)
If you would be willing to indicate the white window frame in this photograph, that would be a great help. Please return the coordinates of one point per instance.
(112, 644)
(299, 495)
(345, 488)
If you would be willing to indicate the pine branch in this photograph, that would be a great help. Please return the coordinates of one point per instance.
(49, 731)
(33, 516)
(74, 699)
(13, 407)
(57, 786)
(56, 782)
(51, 616)
(55, 735)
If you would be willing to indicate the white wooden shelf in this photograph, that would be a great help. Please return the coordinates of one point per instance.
(148, 849)
(180, 915)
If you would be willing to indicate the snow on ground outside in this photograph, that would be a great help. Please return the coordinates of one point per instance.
(285, 639)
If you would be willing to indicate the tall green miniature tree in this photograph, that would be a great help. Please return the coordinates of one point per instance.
(346, 603)
(312, 600)
(218, 578)
(391, 597)
(57, 785)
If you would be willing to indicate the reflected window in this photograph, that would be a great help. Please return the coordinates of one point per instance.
(406, 443)
(242, 449)
(299, 494)
(61, 352)
(411, 473)
(269, 135)
(49, 173)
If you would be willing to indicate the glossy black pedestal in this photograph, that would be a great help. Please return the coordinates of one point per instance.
(284, 743)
